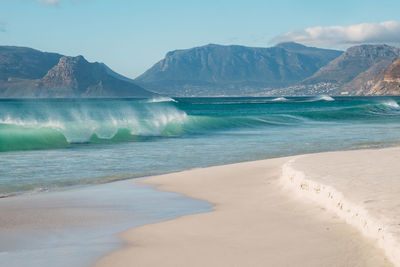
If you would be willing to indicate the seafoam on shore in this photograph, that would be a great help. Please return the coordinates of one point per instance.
(361, 187)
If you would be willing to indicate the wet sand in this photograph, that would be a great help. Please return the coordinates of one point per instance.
(75, 227)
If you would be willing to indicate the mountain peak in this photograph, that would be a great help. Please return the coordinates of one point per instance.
(290, 45)
(73, 60)
(73, 72)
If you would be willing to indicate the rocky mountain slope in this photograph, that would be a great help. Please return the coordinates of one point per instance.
(353, 62)
(26, 72)
(234, 70)
(353, 73)
(385, 82)
(25, 63)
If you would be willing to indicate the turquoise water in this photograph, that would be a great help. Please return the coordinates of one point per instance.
(52, 144)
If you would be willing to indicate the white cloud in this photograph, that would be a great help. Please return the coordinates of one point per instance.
(49, 2)
(334, 36)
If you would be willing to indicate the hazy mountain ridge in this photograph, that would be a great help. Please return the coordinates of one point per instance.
(26, 72)
(233, 70)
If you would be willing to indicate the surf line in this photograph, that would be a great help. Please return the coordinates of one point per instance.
(333, 200)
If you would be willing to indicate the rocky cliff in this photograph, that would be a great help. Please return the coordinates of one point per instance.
(355, 72)
(385, 82)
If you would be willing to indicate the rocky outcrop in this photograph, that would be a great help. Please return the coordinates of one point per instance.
(392, 74)
(385, 82)
(76, 77)
(352, 72)
(353, 62)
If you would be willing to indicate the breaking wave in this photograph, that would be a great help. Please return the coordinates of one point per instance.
(53, 125)
(161, 99)
(280, 99)
(391, 104)
(58, 124)
(325, 97)
(321, 98)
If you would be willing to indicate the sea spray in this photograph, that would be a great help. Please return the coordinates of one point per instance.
(56, 124)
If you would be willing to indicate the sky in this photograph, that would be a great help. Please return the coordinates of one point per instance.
(130, 36)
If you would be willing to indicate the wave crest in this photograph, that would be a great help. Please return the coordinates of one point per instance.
(280, 99)
(44, 126)
(323, 98)
(391, 104)
(161, 99)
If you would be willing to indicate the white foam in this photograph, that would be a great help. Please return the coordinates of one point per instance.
(161, 99)
(391, 104)
(324, 97)
(31, 123)
(280, 99)
(334, 201)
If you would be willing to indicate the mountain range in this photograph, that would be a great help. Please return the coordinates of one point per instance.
(285, 69)
(25, 72)
(210, 70)
(234, 70)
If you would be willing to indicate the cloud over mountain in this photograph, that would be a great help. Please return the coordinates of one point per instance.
(334, 36)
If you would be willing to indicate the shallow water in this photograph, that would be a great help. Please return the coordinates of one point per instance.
(75, 227)
(61, 143)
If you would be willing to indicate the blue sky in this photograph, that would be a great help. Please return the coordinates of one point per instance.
(130, 36)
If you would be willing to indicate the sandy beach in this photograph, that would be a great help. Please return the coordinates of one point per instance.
(296, 211)
(324, 209)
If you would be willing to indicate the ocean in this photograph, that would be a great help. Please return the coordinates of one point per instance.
(56, 144)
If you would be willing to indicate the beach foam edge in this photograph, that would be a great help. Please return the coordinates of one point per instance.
(328, 197)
